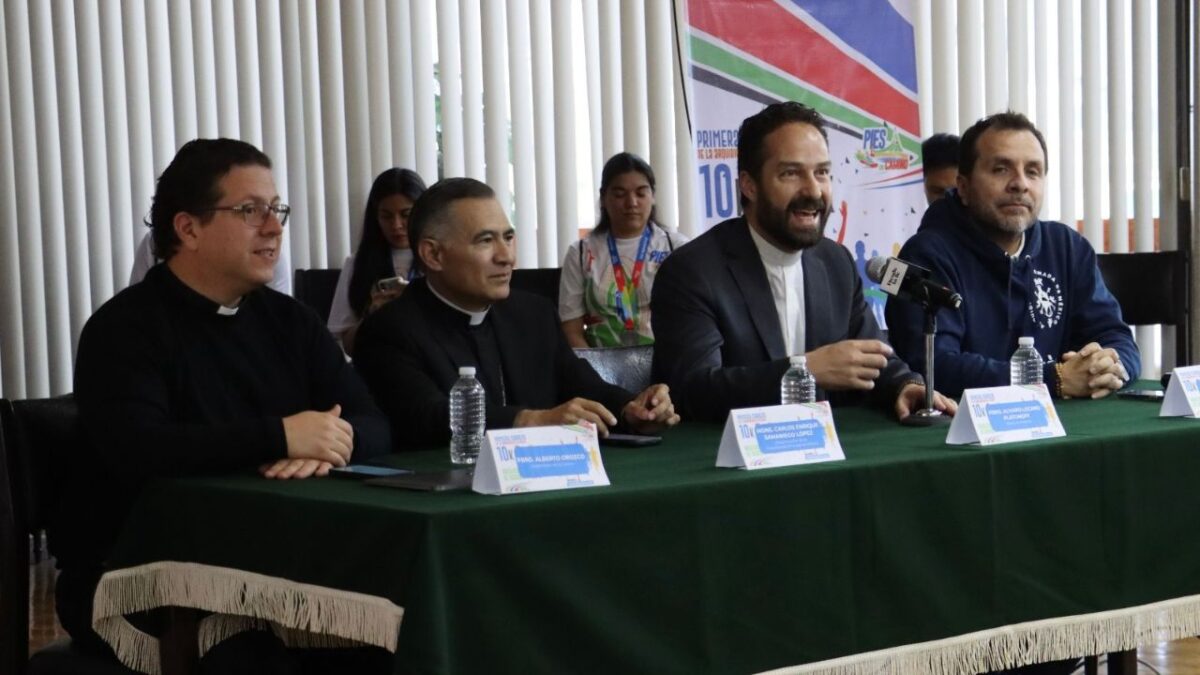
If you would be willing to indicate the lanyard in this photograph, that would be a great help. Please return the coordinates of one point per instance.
(626, 291)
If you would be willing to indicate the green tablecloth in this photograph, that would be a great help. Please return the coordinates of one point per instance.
(680, 567)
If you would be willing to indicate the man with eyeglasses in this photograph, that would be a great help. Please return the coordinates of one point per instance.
(144, 259)
(201, 369)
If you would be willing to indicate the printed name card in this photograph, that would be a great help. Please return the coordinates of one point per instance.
(781, 435)
(994, 415)
(534, 459)
(1183, 394)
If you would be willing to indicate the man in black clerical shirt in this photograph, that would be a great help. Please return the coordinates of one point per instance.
(463, 313)
(201, 369)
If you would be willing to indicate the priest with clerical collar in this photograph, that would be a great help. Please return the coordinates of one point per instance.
(464, 313)
(200, 369)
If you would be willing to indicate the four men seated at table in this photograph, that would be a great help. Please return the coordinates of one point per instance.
(202, 369)
(736, 302)
(463, 313)
(1019, 276)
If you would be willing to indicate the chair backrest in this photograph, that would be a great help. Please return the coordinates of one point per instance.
(14, 563)
(41, 435)
(315, 288)
(627, 367)
(1152, 289)
(36, 437)
(542, 281)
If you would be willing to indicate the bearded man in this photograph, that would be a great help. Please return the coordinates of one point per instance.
(733, 305)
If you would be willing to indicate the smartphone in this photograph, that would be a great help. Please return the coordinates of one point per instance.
(630, 440)
(363, 471)
(1142, 394)
(391, 284)
(429, 481)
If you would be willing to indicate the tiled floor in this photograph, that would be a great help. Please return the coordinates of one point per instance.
(1181, 657)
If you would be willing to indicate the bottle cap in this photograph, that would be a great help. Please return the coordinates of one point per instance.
(1025, 341)
(467, 370)
(800, 360)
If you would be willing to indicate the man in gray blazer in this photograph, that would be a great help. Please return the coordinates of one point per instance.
(735, 303)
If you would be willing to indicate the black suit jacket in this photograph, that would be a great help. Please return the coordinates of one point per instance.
(410, 350)
(717, 339)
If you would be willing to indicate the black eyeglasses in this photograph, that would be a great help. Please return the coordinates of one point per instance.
(255, 215)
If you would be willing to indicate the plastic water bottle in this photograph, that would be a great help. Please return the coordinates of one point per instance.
(467, 417)
(1025, 367)
(798, 385)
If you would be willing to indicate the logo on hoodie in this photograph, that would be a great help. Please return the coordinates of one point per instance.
(1046, 307)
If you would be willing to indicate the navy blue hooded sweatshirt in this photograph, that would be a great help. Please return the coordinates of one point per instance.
(1052, 291)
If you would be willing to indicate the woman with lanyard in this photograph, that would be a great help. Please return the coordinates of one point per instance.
(607, 275)
(378, 271)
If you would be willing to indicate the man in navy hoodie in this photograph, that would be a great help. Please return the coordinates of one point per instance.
(1018, 276)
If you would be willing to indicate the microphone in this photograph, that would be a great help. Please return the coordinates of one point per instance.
(911, 282)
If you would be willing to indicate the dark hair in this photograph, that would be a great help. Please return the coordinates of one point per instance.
(373, 258)
(968, 149)
(750, 152)
(429, 211)
(939, 151)
(190, 184)
(619, 165)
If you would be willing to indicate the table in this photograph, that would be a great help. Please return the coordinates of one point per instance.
(909, 556)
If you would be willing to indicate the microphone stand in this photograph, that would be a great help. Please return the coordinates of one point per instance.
(928, 416)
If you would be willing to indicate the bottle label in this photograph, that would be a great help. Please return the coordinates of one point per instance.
(781, 435)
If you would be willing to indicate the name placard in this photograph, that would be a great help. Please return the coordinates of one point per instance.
(1183, 394)
(534, 459)
(781, 435)
(994, 415)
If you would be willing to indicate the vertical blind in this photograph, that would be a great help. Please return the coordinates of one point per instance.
(530, 95)
(1085, 72)
(96, 97)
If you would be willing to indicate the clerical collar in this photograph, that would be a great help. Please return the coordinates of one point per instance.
(770, 254)
(190, 295)
(476, 317)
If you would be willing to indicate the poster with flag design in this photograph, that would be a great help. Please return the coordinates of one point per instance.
(852, 60)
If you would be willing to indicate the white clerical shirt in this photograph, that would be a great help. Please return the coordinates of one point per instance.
(785, 274)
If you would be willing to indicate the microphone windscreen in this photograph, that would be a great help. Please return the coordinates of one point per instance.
(876, 266)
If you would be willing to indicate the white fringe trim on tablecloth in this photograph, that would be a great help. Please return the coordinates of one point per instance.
(303, 615)
(1024, 643)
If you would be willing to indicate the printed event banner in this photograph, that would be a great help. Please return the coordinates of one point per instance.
(852, 60)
